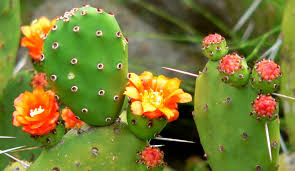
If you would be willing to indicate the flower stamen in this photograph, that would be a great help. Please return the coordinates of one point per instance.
(36, 111)
(153, 97)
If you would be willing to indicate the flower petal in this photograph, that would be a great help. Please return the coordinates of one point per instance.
(170, 114)
(34, 34)
(171, 86)
(147, 107)
(161, 82)
(153, 115)
(174, 93)
(132, 92)
(136, 108)
(26, 30)
(135, 80)
(184, 98)
(70, 119)
(146, 77)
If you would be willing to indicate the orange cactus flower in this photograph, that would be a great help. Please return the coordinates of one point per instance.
(70, 119)
(36, 111)
(34, 35)
(155, 97)
(39, 80)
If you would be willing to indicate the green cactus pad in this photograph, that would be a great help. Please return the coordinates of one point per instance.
(86, 61)
(214, 46)
(93, 148)
(144, 127)
(15, 87)
(9, 38)
(53, 137)
(231, 138)
(265, 85)
(235, 78)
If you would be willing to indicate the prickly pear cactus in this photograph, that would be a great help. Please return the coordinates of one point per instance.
(85, 59)
(9, 38)
(93, 148)
(15, 86)
(231, 138)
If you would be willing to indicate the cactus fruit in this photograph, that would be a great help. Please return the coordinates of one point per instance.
(152, 98)
(231, 138)
(17, 85)
(265, 108)
(151, 158)
(112, 147)
(234, 70)
(87, 76)
(214, 46)
(266, 76)
(9, 38)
